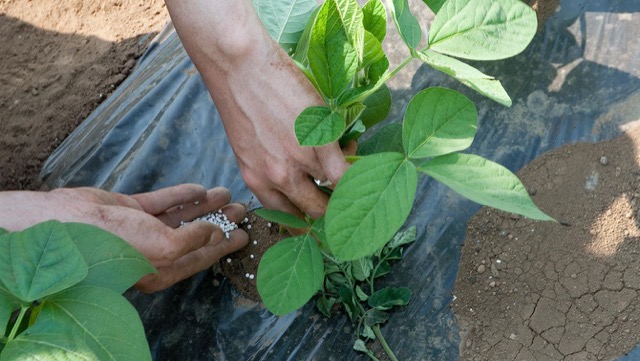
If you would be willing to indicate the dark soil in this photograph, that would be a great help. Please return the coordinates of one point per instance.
(238, 265)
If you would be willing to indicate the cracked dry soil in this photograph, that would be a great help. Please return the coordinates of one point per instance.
(545, 291)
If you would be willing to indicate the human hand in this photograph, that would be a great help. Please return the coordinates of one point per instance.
(148, 221)
(259, 92)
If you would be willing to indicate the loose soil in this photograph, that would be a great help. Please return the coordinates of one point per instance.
(558, 291)
(60, 59)
(239, 266)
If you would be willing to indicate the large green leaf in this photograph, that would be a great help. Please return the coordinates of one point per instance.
(434, 5)
(385, 139)
(282, 218)
(352, 19)
(113, 262)
(407, 24)
(333, 59)
(3, 231)
(83, 323)
(48, 342)
(438, 121)
(484, 182)
(467, 75)
(369, 204)
(8, 304)
(317, 126)
(285, 19)
(375, 19)
(290, 273)
(39, 261)
(377, 106)
(482, 29)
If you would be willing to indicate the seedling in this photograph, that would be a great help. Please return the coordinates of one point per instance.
(61, 288)
(338, 46)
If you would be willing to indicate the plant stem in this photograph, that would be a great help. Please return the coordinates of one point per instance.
(16, 326)
(397, 69)
(383, 342)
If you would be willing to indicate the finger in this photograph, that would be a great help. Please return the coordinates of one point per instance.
(273, 199)
(350, 148)
(193, 262)
(333, 162)
(191, 237)
(215, 199)
(160, 200)
(308, 198)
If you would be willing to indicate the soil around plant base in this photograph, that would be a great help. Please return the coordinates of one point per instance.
(240, 266)
(558, 291)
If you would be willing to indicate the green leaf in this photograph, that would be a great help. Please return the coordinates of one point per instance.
(290, 273)
(362, 296)
(369, 204)
(351, 17)
(385, 139)
(434, 5)
(359, 345)
(361, 268)
(282, 218)
(349, 302)
(302, 49)
(438, 121)
(484, 182)
(407, 24)
(317, 229)
(39, 261)
(377, 107)
(351, 113)
(375, 19)
(83, 323)
(112, 262)
(8, 304)
(383, 269)
(48, 343)
(325, 305)
(402, 238)
(482, 29)
(333, 59)
(3, 231)
(467, 75)
(377, 70)
(317, 126)
(375, 316)
(389, 297)
(285, 20)
(372, 50)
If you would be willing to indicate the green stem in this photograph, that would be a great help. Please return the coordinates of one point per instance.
(371, 355)
(16, 326)
(395, 71)
(383, 342)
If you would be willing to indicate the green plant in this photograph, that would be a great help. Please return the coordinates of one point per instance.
(338, 45)
(61, 288)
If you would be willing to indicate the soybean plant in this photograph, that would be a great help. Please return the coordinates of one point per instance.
(338, 46)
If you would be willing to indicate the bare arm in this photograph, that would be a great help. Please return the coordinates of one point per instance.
(259, 92)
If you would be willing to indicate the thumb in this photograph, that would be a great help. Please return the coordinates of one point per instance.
(332, 161)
